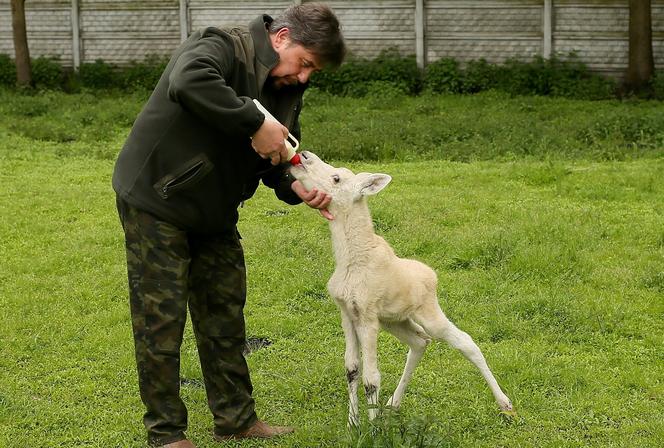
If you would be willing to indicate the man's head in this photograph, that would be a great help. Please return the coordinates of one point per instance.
(307, 38)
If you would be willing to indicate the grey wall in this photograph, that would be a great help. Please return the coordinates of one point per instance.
(123, 31)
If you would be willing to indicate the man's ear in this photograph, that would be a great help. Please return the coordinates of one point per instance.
(371, 184)
(282, 36)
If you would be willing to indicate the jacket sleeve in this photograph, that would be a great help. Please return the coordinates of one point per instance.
(280, 180)
(197, 82)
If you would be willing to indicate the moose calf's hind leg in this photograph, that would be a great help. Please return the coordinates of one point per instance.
(439, 327)
(411, 334)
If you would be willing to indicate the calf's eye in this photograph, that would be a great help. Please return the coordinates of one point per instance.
(336, 178)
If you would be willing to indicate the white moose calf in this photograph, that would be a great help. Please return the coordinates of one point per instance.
(374, 288)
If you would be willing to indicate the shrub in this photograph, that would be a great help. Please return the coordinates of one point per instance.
(390, 66)
(568, 77)
(479, 76)
(353, 77)
(97, 75)
(388, 75)
(143, 75)
(47, 73)
(444, 76)
(525, 78)
(571, 78)
(658, 85)
(7, 71)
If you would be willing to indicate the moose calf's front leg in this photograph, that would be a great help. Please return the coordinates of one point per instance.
(367, 335)
(352, 365)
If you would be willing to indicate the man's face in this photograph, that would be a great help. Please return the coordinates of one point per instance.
(296, 63)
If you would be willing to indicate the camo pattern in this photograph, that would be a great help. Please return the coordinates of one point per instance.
(169, 269)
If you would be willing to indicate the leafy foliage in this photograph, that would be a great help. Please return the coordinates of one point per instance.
(354, 77)
(47, 73)
(389, 72)
(97, 74)
(142, 75)
(7, 71)
(567, 77)
(444, 76)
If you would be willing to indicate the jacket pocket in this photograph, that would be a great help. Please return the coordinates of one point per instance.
(191, 173)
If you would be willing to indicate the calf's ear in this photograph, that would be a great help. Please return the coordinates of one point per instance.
(371, 184)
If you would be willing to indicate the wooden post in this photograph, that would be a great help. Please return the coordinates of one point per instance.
(420, 50)
(75, 35)
(184, 20)
(547, 44)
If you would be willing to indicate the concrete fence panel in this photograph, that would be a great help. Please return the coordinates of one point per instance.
(122, 31)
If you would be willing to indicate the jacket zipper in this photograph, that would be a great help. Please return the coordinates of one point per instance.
(182, 180)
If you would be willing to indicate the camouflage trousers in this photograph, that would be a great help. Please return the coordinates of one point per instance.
(169, 270)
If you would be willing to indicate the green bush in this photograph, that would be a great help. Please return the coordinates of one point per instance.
(355, 76)
(525, 78)
(444, 76)
(47, 73)
(138, 75)
(479, 76)
(658, 85)
(568, 77)
(143, 75)
(387, 75)
(97, 75)
(402, 71)
(7, 71)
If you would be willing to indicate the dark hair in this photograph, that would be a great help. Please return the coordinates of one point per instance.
(316, 28)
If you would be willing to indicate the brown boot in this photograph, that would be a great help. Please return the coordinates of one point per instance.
(184, 443)
(260, 430)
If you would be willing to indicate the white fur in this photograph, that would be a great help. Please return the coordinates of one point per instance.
(374, 288)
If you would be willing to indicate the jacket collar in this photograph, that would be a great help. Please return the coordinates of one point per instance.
(266, 57)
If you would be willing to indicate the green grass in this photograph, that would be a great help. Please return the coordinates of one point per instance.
(553, 262)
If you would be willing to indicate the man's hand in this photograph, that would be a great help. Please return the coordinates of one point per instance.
(268, 142)
(314, 199)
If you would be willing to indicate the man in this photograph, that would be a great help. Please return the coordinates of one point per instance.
(197, 150)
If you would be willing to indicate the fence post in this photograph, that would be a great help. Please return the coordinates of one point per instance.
(184, 20)
(75, 35)
(547, 44)
(419, 34)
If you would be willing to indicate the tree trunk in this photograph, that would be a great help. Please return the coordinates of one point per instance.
(641, 64)
(23, 67)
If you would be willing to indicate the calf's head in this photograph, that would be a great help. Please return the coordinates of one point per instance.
(342, 184)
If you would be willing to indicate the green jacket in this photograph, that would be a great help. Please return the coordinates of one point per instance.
(188, 159)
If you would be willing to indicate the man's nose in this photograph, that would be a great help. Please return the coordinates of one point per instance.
(304, 75)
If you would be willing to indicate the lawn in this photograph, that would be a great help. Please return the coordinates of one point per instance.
(553, 260)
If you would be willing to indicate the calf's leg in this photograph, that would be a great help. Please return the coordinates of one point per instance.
(352, 365)
(436, 324)
(367, 335)
(412, 335)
